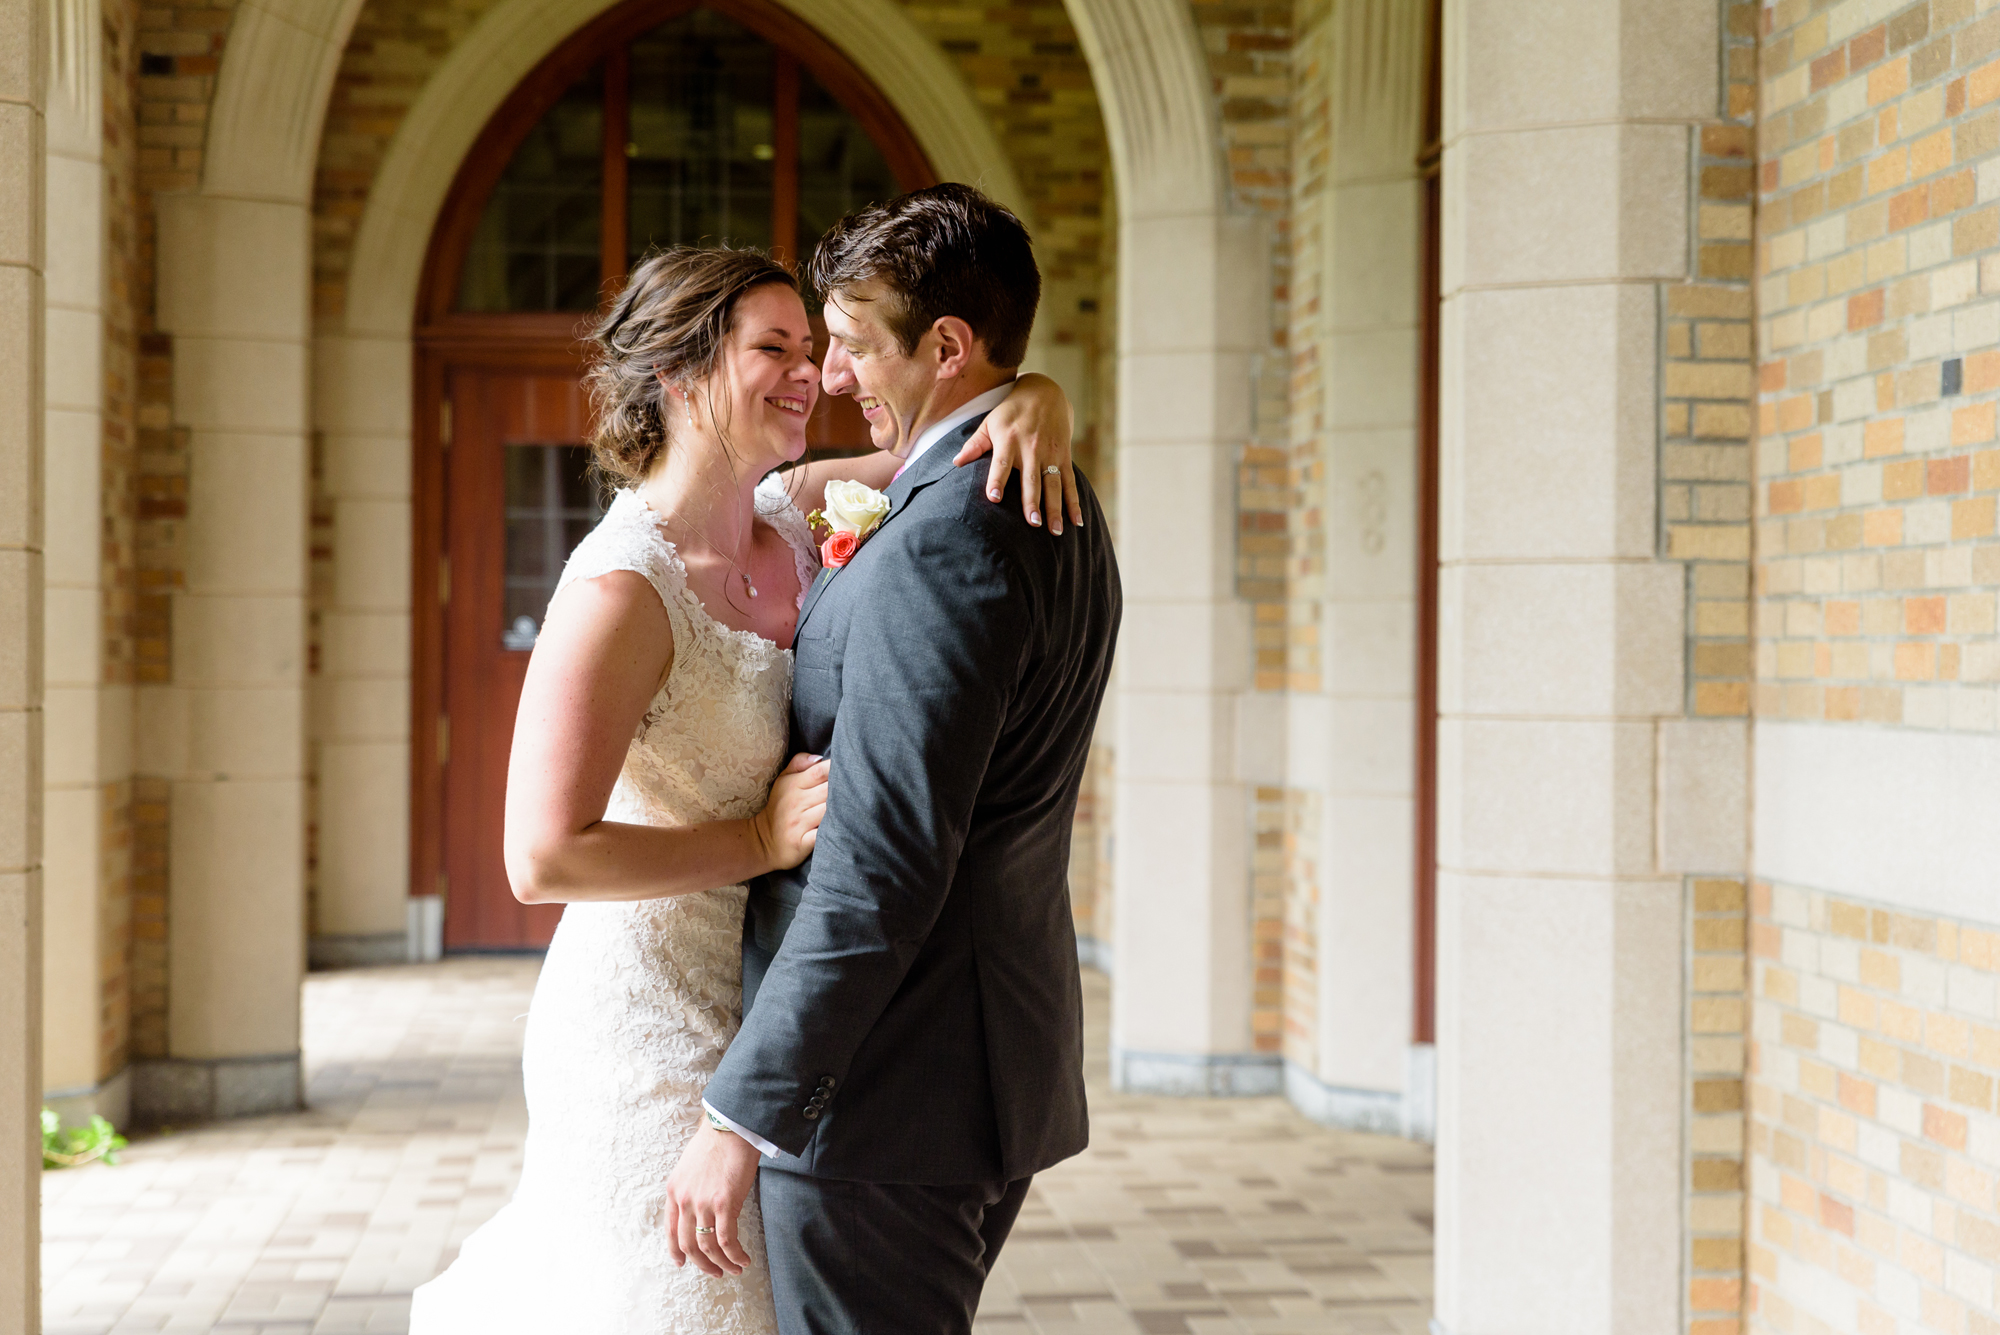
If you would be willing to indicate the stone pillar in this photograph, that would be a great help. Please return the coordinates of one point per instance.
(1191, 293)
(1181, 986)
(1358, 240)
(230, 730)
(1567, 170)
(88, 732)
(24, 58)
(361, 738)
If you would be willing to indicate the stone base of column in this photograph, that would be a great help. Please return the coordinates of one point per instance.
(1377, 1110)
(1200, 1075)
(110, 1099)
(1420, 1093)
(425, 928)
(357, 952)
(177, 1091)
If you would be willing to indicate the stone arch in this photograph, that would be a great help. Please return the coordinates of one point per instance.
(924, 87)
(271, 96)
(1153, 84)
(247, 368)
(362, 379)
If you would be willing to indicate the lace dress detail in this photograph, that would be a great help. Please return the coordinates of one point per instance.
(636, 1004)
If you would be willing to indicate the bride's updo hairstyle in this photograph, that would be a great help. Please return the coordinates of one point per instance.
(668, 325)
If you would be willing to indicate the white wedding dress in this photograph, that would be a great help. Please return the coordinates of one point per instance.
(636, 1003)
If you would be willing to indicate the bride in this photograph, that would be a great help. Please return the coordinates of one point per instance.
(645, 788)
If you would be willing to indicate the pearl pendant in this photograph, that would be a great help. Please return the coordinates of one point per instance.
(748, 585)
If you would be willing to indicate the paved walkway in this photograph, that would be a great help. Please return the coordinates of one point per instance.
(1200, 1216)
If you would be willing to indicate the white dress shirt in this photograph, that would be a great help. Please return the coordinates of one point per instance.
(931, 435)
(944, 426)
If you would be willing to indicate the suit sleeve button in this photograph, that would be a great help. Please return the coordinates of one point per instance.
(811, 1113)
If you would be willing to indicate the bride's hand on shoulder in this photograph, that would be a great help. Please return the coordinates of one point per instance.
(1031, 430)
(789, 822)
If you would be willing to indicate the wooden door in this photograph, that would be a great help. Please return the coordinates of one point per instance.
(658, 122)
(516, 502)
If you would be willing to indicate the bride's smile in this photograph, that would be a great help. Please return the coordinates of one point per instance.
(767, 386)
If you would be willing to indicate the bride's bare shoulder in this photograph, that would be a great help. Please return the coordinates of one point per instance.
(617, 618)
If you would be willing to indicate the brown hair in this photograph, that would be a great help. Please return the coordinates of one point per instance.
(670, 322)
(947, 250)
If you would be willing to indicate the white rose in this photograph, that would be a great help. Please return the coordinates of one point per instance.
(852, 507)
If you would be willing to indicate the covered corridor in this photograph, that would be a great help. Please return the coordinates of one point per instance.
(1196, 1215)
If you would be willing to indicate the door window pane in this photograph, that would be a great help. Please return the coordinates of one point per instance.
(701, 145)
(537, 241)
(552, 502)
(840, 168)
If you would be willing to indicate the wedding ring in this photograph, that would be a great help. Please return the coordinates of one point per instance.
(699, 1229)
(1053, 471)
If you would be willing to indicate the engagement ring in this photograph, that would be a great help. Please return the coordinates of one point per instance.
(699, 1229)
(1053, 471)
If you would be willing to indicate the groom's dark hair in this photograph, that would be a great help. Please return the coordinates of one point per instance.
(947, 250)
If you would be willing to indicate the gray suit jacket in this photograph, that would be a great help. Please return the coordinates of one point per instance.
(913, 1011)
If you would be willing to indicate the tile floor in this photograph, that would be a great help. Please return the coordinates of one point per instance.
(1201, 1216)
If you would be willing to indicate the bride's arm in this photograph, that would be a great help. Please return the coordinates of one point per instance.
(1030, 430)
(807, 482)
(602, 654)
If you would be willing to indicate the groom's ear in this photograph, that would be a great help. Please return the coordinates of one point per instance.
(957, 346)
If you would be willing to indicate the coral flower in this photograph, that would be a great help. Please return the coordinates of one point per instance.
(838, 550)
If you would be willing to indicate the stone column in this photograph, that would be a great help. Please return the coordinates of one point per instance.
(1182, 951)
(1567, 170)
(23, 73)
(88, 736)
(1354, 739)
(230, 731)
(1191, 288)
(361, 736)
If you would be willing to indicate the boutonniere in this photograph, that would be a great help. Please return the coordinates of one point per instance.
(853, 511)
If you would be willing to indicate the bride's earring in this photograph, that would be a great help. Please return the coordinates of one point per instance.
(688, 408)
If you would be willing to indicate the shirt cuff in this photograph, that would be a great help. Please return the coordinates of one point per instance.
(764, 1147)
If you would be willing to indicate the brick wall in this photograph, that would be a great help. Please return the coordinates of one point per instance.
(1290, 634)
(1707, 418)
(1716, 1027)
(1876, 265)
(151, 798)
(124, 292)
(1027, 71)
(1299, 941)
(1875, 1143)
(1249, 49)
(1284, 938)
(179, 50)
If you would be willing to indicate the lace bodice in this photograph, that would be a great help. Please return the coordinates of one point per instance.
(715, 734)
(637, 1002)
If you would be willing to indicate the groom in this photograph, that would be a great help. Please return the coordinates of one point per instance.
(912, 1048)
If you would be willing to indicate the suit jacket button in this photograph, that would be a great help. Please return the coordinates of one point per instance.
(826, 1083)
(812, 1112)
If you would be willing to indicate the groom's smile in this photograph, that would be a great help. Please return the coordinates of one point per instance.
(896, 391)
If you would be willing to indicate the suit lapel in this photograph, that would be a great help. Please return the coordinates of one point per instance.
(933, 464)
(820, 581)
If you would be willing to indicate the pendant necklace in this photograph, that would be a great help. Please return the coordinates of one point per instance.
(687, 406)
(716, 547)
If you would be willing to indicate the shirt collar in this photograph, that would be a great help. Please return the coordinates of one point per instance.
(971, 408)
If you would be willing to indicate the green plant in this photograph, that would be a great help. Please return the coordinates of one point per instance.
(79, 1144)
